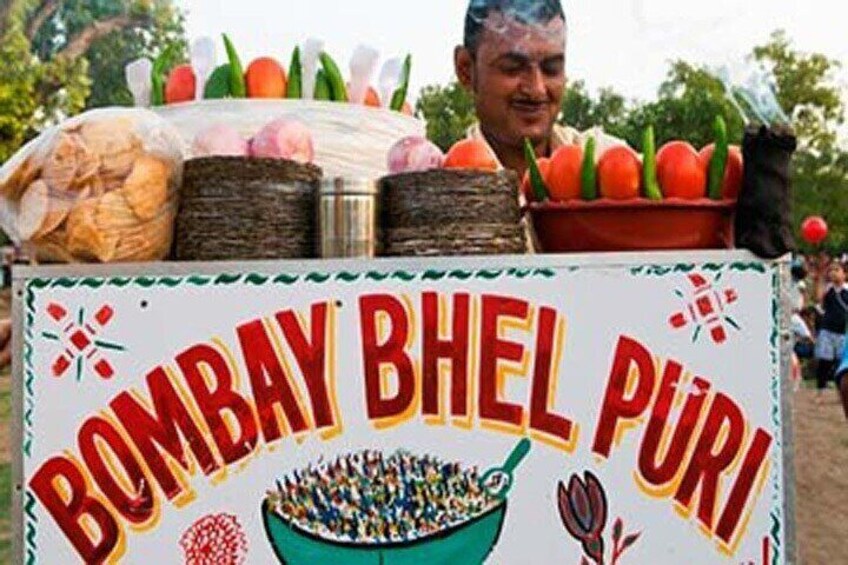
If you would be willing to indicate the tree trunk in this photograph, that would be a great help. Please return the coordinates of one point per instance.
(79, 44)
(44, 13)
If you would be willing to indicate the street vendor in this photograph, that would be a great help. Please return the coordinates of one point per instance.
(512, 62)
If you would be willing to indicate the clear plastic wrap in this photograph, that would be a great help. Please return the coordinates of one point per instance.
(100, 187)
(350, 140)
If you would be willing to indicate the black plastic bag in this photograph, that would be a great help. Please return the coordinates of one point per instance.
(763, 214)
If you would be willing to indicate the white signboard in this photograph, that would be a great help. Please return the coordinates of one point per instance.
(547, 410)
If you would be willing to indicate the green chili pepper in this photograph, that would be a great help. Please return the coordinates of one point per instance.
(157, 76)
(294, 88)
(338, 89)
(399, 96)
(322, 87)
(649, 167)
(218, 85)
(718, 163)
(238, 87)
(540, 191)
(588, 174)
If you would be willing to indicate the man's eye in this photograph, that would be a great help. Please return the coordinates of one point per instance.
(511, 69)
(553, 69)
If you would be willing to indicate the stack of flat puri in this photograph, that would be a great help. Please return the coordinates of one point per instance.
(451, 212)
(235, 208)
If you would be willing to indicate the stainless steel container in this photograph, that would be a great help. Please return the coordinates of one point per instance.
(347, 218)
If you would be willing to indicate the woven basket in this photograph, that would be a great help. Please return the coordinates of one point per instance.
(451, 212)
(234, 208)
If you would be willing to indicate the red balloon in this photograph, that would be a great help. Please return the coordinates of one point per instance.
(814, 230)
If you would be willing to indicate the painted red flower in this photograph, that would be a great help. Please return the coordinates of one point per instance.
(583, 509)
(216, 539)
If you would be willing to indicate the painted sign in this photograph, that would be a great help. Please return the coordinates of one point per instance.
(562, 412)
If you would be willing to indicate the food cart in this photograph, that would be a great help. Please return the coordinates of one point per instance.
(652, 388)
(455, 402)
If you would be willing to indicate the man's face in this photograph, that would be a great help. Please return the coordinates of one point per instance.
(517, 77)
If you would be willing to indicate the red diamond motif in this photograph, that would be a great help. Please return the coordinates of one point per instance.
(80, 340)
(56, 311)
(104, 315)
(705, 306)
(60, 366)
(104, 369)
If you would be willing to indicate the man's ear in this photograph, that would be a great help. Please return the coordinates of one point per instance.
(463, 63)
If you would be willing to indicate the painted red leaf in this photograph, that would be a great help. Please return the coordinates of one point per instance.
(617, 530)
(630, 540)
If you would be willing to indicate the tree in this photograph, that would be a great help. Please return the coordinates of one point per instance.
(808, 92)
(449, 112)
(806, 89)
(46, 46)
(163, 26)
(579, 110)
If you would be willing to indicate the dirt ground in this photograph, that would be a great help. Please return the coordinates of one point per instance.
(821, 464)
(821, 440)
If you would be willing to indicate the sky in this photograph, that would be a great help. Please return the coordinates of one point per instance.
(624, 44)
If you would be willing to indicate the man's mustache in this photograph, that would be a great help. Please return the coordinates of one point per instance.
(532, 101)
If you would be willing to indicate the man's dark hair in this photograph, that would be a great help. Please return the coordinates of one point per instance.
(525, 11)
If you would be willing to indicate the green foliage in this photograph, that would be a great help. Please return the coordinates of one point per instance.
(449, 112)
(35, 94)
(42, 82)
(158, 24)
(806, 89)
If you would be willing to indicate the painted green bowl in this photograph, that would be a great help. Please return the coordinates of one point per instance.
(467, 543)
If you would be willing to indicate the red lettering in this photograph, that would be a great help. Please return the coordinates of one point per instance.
(376, 355)
(744, 486)
(616, 406)
(661, 473)
(160, 431)
(135, 506)
(310, 355)
(454, 349)
(706, 466)
(218, 398)
(541, 418)
(69, 510)
(494, 349)
(271, 385)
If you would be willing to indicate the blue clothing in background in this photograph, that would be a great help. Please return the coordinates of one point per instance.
(842, 370)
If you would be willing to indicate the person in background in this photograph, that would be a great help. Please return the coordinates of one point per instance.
(804, 342)
(831, 338)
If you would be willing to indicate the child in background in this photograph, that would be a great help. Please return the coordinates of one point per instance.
(831, 339)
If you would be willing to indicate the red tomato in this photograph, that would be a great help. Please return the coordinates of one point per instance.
(471, 154)
(681, 172)
(619, 173)
(564, 174)
(181, 85)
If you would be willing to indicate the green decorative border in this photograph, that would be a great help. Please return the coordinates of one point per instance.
(685, 268)
(247, 279)
(256, 279)
(31, 520)
(776, 416)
